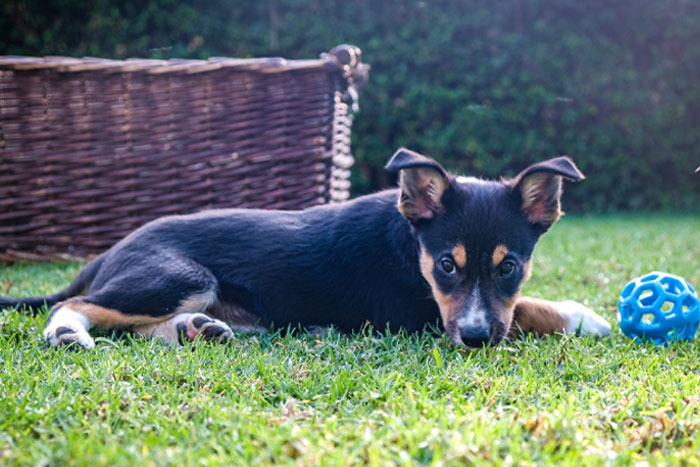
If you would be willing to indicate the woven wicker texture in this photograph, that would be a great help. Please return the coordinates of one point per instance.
(91, 149)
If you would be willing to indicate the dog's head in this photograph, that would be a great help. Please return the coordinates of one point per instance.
(476, 237)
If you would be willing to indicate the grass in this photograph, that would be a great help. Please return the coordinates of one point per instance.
(395, 399)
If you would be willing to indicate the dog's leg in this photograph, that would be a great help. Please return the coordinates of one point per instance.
(545, 317)
(186, 327)
(71, 320)
(168, 308)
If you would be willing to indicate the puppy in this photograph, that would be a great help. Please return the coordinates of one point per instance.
(440, 249)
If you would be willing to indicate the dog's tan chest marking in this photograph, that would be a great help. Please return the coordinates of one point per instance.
(538, 316)
(545, 317)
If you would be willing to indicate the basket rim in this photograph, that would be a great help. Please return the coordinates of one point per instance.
(152, 66)
(329, 61)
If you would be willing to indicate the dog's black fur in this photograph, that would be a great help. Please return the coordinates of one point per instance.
(363, 261)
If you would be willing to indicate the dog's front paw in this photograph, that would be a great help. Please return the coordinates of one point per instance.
(581, 318)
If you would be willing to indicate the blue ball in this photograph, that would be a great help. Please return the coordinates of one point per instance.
(659, 307)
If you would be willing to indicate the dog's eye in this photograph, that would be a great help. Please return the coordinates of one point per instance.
(447, 265)
(506, 268)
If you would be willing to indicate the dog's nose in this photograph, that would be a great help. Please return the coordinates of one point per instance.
(475, 336)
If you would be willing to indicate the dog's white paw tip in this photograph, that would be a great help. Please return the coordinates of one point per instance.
(67, 327)
(580, 317)
(63, 336)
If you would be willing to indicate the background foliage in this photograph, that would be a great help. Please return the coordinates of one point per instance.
(486, 87)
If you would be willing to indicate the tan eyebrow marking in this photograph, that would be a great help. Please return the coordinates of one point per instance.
(460, 255)
(498, 254)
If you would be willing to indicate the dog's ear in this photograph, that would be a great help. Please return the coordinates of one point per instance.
(423, 182)
(539, 189)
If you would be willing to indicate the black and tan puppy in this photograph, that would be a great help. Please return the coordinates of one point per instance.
(441, 249)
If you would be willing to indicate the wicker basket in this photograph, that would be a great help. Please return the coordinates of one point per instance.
(90, 149)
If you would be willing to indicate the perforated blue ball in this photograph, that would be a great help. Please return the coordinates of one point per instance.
(659, 307)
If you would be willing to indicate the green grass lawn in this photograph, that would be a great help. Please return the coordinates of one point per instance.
(398, 399)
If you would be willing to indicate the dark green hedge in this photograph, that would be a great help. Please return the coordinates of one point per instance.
(485, 86)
